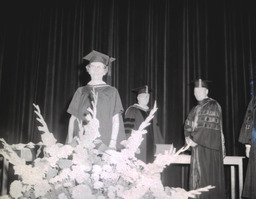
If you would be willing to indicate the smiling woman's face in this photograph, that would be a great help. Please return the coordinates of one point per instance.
(97, 70)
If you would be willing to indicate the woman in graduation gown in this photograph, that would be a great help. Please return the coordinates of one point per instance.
(109, 105)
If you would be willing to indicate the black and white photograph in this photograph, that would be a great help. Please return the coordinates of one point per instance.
(127, 99)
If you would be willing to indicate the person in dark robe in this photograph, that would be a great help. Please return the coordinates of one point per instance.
(134, 116)
(109, 106)
(247, 137)
(203, 132)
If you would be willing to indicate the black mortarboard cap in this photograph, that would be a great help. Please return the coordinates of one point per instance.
(95, 56)
(142, 89)
(201, 83)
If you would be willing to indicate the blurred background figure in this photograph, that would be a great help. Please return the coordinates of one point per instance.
(247, 137)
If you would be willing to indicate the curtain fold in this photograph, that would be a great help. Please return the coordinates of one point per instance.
(165, 44)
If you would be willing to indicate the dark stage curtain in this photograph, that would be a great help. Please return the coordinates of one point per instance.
(165, 44)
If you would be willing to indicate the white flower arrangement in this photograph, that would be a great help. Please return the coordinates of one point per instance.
(87, 169)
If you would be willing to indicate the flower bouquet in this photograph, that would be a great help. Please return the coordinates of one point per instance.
(86, 169)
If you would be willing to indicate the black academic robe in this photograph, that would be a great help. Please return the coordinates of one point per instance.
(247, 136)
(134, 116)
(204, 126)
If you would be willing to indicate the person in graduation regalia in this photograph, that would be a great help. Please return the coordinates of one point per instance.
(203, 131)
(134, 116)
(247, 136)
(109, 106)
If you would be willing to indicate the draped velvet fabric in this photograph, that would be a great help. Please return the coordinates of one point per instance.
(165, 44)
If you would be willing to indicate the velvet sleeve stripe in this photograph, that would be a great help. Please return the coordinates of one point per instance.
(129, 126)
(129, 120)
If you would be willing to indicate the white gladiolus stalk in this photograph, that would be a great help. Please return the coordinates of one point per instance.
(47, 137)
